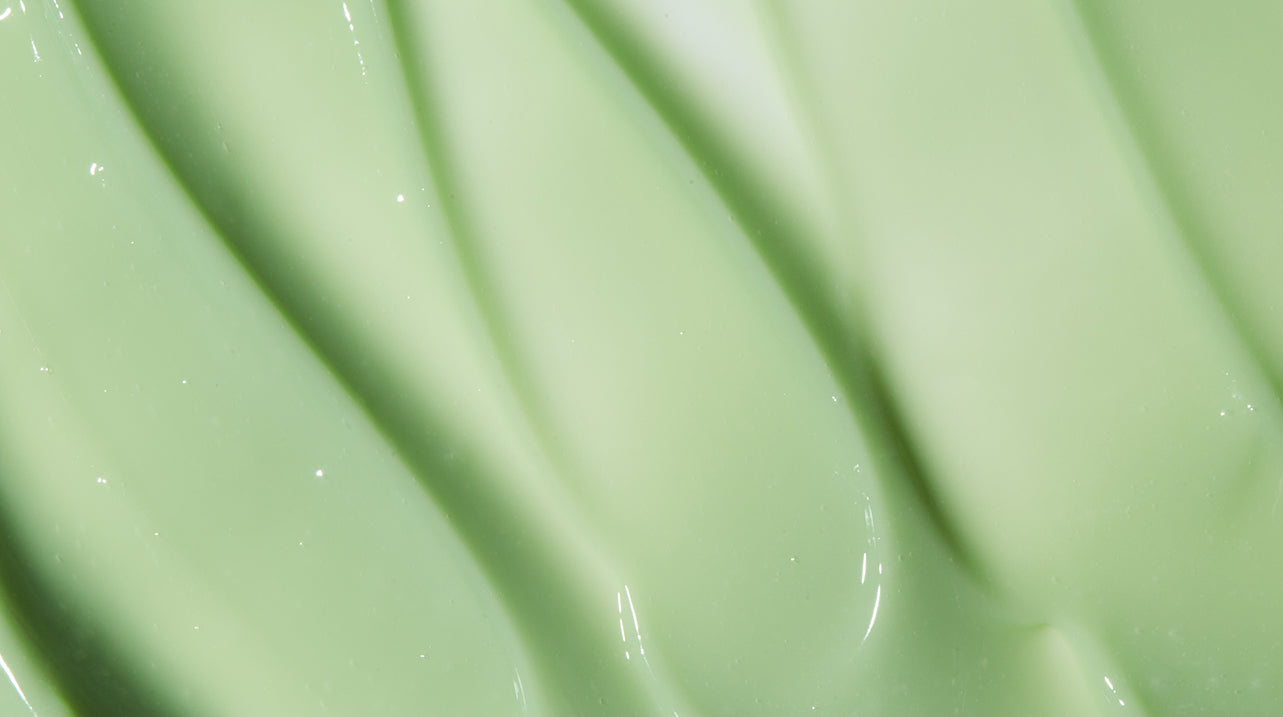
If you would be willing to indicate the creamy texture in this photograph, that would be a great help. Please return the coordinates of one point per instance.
(639, 358)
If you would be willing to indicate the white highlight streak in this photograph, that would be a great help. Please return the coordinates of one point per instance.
(355, 42)
(14, 681)
(636, 627)
(877, 600)
(7, 12)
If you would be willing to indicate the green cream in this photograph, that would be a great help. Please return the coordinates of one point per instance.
(639, 358)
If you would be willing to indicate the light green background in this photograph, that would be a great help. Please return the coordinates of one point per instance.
(640, 357)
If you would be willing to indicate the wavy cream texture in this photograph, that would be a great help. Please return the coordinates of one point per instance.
(640, 357)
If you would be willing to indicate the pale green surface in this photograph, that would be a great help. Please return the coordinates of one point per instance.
(398, 358)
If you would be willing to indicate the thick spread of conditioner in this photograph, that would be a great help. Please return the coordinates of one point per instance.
(662, 358)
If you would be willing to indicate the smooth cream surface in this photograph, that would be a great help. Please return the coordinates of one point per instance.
(637, 357)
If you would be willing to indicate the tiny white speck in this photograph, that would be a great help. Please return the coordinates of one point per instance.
(157, 534)
(400, 197)
(102, 481)
(835, 398)
(1222, 413)
(184, 382)
(320, 473)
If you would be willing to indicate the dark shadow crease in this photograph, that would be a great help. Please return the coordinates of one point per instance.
(464, 234)
(85, 664)
(422, 438)
(536, 578)
(1159, 165)
(777, 235)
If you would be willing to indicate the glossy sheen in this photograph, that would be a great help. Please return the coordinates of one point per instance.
(640, 357)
